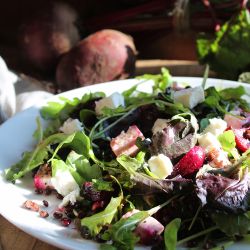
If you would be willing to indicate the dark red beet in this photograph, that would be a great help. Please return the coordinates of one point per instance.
(103, 56)
(48, 35)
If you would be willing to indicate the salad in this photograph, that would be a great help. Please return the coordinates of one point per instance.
(167, 168)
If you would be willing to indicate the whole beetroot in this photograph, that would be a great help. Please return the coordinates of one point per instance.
(47, 35)
(103, 56)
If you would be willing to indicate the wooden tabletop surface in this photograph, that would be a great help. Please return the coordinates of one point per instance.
(12, 238)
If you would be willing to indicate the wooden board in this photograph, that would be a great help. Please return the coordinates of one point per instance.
(12, 238)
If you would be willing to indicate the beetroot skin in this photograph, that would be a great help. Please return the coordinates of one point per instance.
(103, 56)
(191, 162)
(49, 34)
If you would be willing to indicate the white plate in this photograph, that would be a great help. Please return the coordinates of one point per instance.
(16, 137)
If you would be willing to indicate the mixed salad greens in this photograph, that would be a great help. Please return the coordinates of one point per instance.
(164, 169)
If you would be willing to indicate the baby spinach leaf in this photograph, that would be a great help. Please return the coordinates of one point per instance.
(95, 222)
(170, 234)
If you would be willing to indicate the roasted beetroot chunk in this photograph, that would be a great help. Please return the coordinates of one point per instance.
(125, 142)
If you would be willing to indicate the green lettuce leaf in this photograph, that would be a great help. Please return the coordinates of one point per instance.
(95, 222)
(170, 234)
(122, 234)
(38, 134)
(227, 141)
(161, 81)
(31, 160)
(78, 142)
(83, 166)
(59, 165)
(62, 109)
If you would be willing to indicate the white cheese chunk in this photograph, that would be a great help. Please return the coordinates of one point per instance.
(159, 125)
(71, 126)
(72, 197)
(216, 127)
(63, 182)
(189, 97)
(208, 141)
(160, 165)
(113, 101)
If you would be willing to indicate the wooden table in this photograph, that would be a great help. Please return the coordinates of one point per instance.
(11, 238)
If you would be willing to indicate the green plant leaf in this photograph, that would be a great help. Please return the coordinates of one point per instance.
(95, 222)
(170, 234)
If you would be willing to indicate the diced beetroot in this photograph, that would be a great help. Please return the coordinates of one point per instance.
(242, 137)
(191, 162)
(124, 143)
(42, 179)
(148, 229)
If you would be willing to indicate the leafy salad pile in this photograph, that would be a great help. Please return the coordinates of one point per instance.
(152, 171)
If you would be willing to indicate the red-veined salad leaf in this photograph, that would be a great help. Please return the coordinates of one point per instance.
(177, 138)
(223, 192)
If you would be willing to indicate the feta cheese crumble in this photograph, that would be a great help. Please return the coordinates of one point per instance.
(113, 101)
(72, 197)
(189, 97)
(160, 165)
(71, 126)
(63, 182)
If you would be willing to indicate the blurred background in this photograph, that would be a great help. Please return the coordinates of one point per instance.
(161, 29)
